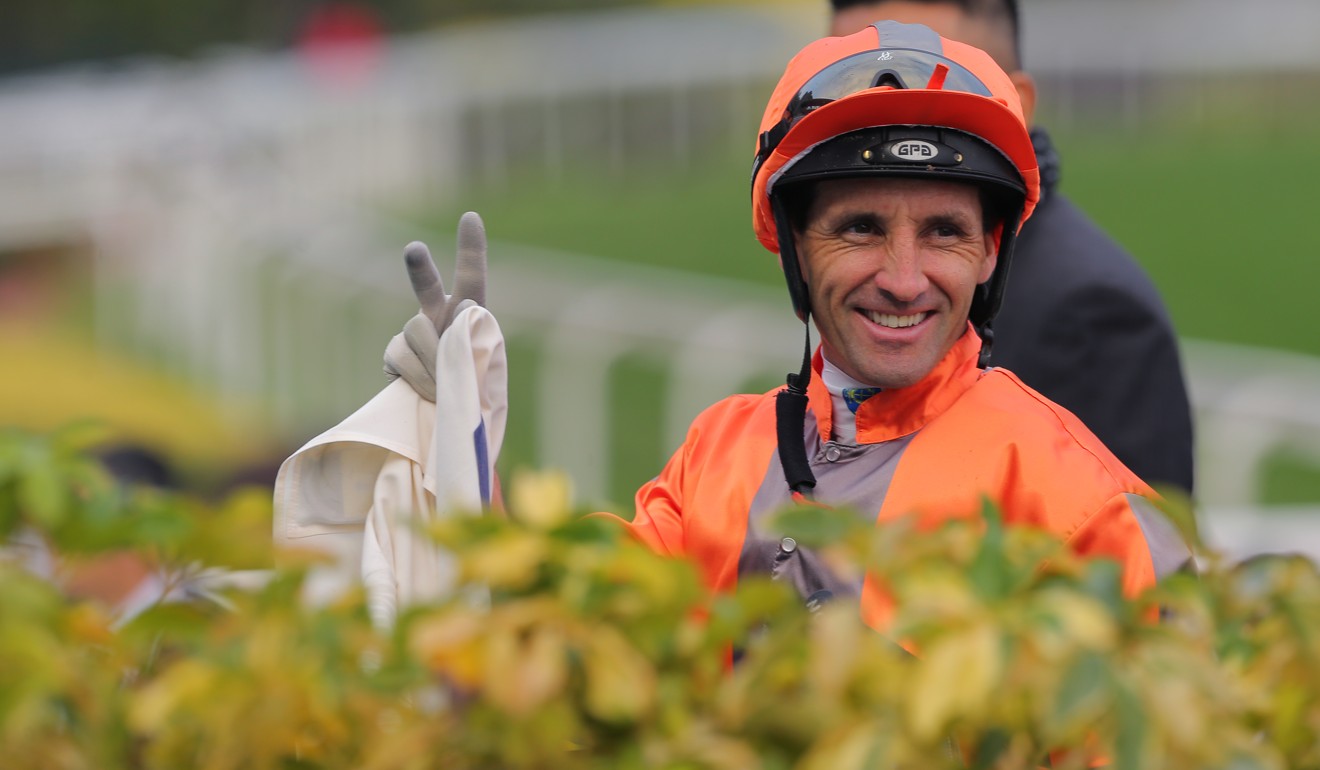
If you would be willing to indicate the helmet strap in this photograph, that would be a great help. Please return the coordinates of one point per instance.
(791, 402)
(790, 417)
(985, 305)
(797, 285)
(987, 334)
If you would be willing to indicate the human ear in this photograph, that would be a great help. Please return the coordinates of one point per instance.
(991, 253)
(1026, 88)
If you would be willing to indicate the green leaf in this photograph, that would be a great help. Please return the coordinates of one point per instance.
(991, 573)
(43, 496)
(1132, 729)
(814, 526)
(79, 437)
(1084, 693)
(1103, 579)
(988, 750)
(1178, 508)
(589, 530)
(9, 516)
(1248, 762)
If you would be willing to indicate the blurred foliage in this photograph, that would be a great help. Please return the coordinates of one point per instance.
(40, 34)
(136, 405)
(572, 646)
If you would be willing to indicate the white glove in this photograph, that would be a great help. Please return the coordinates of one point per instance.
(411, 353)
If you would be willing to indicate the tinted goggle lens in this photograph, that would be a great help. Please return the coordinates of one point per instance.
(902, 68)
(897, 67)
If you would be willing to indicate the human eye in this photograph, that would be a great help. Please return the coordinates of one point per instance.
(948, 231)
(859, 227)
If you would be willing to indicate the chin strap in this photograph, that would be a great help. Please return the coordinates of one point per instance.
(987, 335)
(790, 416)
(985, 305)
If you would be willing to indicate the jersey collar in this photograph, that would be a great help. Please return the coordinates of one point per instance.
(898, 412)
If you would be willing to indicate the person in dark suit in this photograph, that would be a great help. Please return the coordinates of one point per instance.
(1081, 321)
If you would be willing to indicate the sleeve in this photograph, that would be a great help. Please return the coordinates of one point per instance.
(1129, 529)
(1113, 361)
(658, 516)
(322, 496)
(400, 566)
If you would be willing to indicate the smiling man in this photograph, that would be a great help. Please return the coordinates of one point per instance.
(893, 171)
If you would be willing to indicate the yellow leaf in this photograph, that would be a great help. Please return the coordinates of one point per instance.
(835, 633)
(541, 499)
(934, 594)
(620, 681)
(955, 678)
(1085, 621)
(1185, 720)
(450, 645)
(848, 748)
(152, 707)
(89, 623)
(509, 561)
(721, 752)
(525, 668)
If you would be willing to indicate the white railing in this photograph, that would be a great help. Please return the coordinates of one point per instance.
(1253, 404)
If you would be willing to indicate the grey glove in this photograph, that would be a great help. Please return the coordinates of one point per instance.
(411, 353)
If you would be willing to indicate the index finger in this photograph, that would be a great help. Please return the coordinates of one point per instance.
(425, 279)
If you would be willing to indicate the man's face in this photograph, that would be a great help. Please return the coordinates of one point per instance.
(892, 265)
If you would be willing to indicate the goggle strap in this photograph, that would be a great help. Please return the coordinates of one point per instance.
(769, 140)
(894, 34)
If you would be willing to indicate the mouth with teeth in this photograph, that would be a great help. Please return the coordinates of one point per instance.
(891, 321)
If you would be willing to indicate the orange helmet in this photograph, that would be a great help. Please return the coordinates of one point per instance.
(891, 100)
(894, 100)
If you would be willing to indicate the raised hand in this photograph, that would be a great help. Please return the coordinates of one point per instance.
(411, 354)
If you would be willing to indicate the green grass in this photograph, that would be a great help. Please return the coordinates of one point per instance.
(695, 217)
(1228, 236)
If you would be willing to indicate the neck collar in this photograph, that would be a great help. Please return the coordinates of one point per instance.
(897, 412)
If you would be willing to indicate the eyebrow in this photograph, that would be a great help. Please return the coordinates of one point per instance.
(831, 219)
(961, 219)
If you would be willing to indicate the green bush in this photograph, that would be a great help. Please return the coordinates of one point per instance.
(571, 646)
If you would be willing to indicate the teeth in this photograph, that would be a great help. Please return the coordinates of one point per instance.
(895, 321)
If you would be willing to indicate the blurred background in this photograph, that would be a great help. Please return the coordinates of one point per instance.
(203, 208)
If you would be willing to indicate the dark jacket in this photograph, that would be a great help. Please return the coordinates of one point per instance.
(1082, 323)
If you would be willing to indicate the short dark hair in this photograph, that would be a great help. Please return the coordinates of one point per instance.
(1003, 12)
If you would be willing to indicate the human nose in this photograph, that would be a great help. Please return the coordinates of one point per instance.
(899, 274)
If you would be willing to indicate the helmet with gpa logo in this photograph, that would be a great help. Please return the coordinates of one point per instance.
(891, 100)
(894, 100)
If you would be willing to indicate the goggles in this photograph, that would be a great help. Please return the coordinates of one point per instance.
(901, 68)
